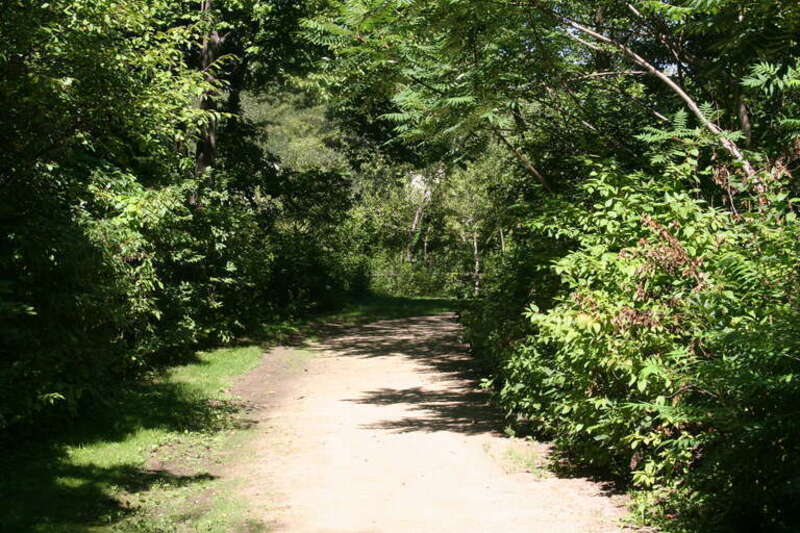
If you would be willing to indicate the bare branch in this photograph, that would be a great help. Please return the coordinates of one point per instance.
(633, 9)
(585, 43)
(612, 73)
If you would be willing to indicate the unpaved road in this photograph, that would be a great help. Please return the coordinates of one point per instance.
(379, 428)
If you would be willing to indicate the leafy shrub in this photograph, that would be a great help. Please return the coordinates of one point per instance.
(670, 356)
(394, 275)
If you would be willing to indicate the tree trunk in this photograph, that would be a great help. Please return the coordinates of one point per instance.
(416, 224)
(412, 232)
(730, 146)
(477, 269)
(207, 144)
(744, 118)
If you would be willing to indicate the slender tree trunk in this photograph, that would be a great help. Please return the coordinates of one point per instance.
(744, 118)
(412, 232)
(729, 145)
(416, 224)
(207, 145)
(477, 267)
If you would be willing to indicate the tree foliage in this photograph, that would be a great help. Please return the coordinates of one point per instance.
(609, 186)
(120, 252)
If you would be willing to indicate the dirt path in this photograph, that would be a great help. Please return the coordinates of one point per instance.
(379, 429)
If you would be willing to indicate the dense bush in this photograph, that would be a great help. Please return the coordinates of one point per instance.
(393, 274)
(670, 356)
(120, 251)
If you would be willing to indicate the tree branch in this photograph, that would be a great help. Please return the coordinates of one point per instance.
(729, 145)
(612, 73)
(524, 160)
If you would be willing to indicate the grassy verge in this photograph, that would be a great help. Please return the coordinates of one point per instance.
(372, 308)
(365, 309)
(103, 475)
(142, 461)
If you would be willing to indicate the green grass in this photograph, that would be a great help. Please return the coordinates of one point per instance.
(139, 462)
(362, 310)
(517, 455)
(95, 477)
(372, 308)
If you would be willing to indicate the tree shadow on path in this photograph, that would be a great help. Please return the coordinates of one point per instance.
(454, 403)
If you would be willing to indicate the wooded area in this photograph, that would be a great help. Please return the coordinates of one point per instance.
(608, 187)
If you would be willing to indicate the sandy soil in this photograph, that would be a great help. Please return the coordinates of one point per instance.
(380, 428)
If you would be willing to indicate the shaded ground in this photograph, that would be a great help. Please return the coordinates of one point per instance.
(380, 428)
(133, 463)
(148, 457)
